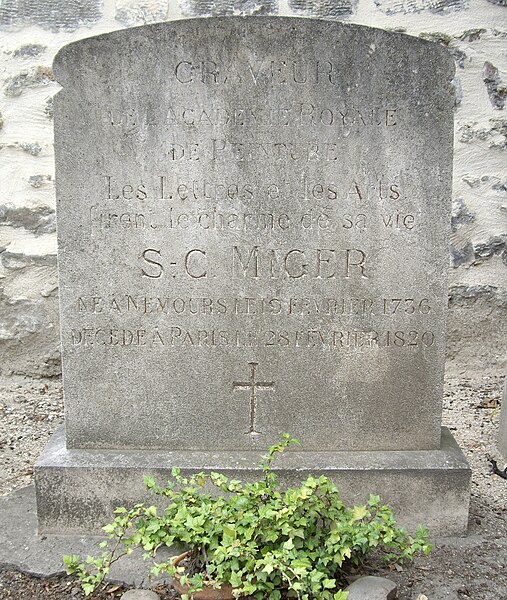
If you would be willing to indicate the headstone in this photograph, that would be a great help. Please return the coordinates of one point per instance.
(252, 224)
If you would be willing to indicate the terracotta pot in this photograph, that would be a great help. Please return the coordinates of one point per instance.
(222, 593)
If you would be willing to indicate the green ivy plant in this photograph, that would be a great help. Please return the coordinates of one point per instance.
(265, 542)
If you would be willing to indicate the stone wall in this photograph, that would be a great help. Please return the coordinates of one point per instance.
(32, 31)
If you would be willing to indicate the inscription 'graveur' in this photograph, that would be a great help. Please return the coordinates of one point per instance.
(258, 263)
(274, 72)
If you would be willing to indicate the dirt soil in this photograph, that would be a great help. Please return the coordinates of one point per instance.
(474, 567)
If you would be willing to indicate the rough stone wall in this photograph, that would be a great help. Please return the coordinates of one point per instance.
(32, 31)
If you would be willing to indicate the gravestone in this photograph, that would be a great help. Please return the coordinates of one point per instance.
(252, 225)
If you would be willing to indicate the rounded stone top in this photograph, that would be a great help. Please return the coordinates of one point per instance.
(140, 595)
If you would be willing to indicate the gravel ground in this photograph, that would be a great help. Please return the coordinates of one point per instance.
(474, 567)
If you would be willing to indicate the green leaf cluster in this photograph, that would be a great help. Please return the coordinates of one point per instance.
(259, 538)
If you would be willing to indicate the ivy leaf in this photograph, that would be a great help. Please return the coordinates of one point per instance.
(229, 531)
(289, 544)
(71, 559)
(149, 481)
(358, 513)
(88, 588)
(235, 579)
(256, 536)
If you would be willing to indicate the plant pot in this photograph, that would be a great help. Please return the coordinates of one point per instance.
(224, 592)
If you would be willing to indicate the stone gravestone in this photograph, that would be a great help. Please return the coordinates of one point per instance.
(252, 225)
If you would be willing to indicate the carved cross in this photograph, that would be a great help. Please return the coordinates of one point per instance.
(253, 386)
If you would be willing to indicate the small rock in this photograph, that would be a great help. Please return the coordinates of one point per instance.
(38, 181)
(140, 595)
(32, 148)
(134, 12)
(37, 76)
(29, 50)
(372, 588)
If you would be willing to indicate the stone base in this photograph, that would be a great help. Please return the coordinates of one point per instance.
(77, 490)
(42, 555)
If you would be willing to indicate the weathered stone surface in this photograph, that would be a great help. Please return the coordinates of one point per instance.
(461, 255)
(495, 134)
(29, 50)
(458, 92)
(22, 548)
(249, 246)
(11, 259)
(497, 91)
(372, 588)
(221, 8)
(36, 77)
(502, 431)
(495, 246)
(38, 219)
(133, 12)
(48, 109)
(488, 304)
(391, 7)
(324, 8)
(33, 148)
(278, 225)
(472, 35)
(29, 340)
(77, 490)
(38, 181)
(461, 295)
(459, 56)
(55, 15)
(460, 214)
(437, 36)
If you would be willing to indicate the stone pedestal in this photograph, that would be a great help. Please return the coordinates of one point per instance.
(77, 490)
